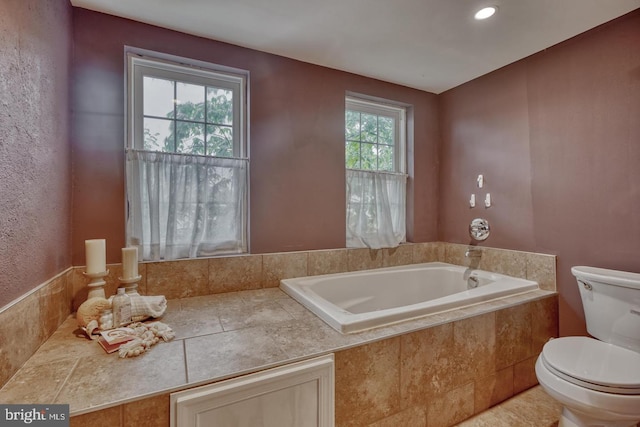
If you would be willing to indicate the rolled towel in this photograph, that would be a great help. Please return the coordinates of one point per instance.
(143, 306)
(146, 306)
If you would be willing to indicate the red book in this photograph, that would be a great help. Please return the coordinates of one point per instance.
(109, 348)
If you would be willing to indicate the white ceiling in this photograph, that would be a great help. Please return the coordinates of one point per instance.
(432, 45)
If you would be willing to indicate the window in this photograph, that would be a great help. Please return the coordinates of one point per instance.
(187, 170)
(375, 136)
(187, 110)
(376, 179)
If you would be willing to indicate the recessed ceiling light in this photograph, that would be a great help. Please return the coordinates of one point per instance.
(485, 12)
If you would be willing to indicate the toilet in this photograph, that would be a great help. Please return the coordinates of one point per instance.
(597, 380)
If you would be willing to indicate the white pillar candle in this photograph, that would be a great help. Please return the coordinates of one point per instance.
(129, 263)
(96, 255)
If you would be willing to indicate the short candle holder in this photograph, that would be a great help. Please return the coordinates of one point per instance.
(96, 284)
(131, 284)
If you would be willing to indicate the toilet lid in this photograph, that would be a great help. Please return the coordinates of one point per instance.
(594, 364)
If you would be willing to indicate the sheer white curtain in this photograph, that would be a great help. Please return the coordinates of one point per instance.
(183, 206)
(376, 209)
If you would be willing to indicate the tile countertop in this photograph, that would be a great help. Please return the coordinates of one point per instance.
(217, 337)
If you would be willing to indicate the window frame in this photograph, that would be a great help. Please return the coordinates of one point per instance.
(397, 112)
(169, 66)
(187, 71)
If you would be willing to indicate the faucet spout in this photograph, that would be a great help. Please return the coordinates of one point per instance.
(473, 253)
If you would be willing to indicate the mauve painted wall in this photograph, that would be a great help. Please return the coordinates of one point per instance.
(297, 195)
(557, 136)
(35, 188)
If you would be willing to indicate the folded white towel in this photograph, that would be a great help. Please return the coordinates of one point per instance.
(146, 306)
(149, 306)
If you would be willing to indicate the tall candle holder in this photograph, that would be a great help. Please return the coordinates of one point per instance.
(130, 284)
(96, 284)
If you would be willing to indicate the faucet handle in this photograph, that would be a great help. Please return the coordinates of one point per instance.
(479, 229)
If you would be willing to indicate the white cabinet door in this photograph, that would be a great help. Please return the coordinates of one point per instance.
(295, 395)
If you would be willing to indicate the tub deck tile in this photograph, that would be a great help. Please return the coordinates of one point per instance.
(218, 355)
(204, 352)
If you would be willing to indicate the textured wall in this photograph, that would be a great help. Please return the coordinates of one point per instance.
(557, 137)
(297, 191)
(35, 44)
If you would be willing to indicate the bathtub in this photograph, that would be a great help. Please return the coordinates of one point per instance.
(355, 301)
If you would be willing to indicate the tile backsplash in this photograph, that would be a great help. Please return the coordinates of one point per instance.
(190, 278)
(29, 321)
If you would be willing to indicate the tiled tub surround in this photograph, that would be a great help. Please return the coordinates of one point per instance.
(190, 278)
(37, 314)
(439, 370)
(67, 356)
(29, 321)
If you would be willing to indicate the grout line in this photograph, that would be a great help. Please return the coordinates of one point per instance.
(186, 365)
(75, 365)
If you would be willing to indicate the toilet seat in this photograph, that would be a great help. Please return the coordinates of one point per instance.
(593, 364)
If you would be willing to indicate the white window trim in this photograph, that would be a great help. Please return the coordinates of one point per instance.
(399, 113)
(181, 69)
(234, 77)
(356, 235)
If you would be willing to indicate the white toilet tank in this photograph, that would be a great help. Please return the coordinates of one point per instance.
(611, 301)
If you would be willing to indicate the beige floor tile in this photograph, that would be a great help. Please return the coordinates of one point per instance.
(496, 417)
(534, 406)
(531, 408)
(415, 416)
